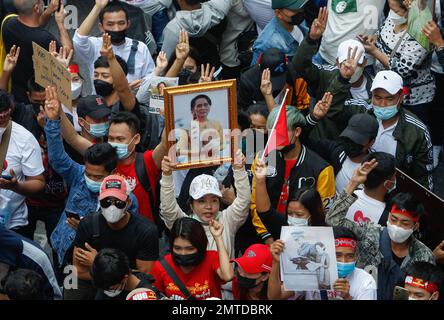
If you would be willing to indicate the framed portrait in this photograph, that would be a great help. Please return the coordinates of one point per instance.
(421, 12)
(200, 120)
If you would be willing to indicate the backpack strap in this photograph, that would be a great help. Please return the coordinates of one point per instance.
(96, 224)
(132, 57)
(176, 279)
(142, 176)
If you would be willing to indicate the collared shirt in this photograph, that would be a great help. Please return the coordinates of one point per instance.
(385, 141)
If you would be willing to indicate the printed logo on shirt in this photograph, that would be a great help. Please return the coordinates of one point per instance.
(359, 217)
(198, 290)
(306, 182)
(344, 6)
(132, 181)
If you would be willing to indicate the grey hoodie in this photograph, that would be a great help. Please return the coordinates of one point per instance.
(196, 23)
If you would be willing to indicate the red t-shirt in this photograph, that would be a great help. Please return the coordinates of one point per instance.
(203, 281)
(129, 173)
(282, 205)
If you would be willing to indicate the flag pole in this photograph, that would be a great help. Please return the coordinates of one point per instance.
(274, 125)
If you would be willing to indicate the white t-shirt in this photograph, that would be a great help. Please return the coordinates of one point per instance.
(346, 20)
(362, 287)
(345, 174)
(297, 34)
(360, 92)
(24, 156)
(87, 51)
(365, 208)
(385, 141)
(260, 12)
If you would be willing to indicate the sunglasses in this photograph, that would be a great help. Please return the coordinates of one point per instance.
(107, 202)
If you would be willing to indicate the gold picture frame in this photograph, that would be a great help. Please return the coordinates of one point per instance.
(173, 96)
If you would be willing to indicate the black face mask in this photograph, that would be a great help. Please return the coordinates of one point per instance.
(186, 77)
(36, 107)
(103, 88)
(186, 260)
(246, 283)
(297, 19)
(351, 148)
(289, 147)
(117, 37)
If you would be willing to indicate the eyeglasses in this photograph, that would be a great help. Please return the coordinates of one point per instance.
(107, 202)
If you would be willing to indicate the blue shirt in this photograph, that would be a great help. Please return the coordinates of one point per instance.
(276, 36)
(80, 199)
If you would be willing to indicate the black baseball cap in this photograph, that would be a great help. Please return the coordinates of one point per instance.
(361, 127)
(276, 61)
(93, 106)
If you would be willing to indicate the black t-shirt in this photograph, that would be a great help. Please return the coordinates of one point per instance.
(397, 259)
(138, 239)
(16, 33)
(26, 116)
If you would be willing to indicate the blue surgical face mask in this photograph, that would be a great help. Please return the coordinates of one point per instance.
(345, 268)
(385, 113)
(122, 149)
(99, 130)
(93, 186)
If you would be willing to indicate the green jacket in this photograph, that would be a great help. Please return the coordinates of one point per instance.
(322, 78)
(368, 237)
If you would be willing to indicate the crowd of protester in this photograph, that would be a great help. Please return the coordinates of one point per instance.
(365, 98)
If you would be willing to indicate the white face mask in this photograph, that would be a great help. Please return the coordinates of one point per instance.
(398, 234)
(76, 89)
(293, 221)
(396, 18)
(114, 293)
(113, 214)
(357, 75)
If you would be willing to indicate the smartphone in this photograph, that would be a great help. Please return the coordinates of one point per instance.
(6, 177)
(400, 293)
(73, 215)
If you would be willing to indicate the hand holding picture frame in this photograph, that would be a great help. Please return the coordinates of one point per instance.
(201, 122)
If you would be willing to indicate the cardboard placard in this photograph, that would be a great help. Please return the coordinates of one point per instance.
(50, 72)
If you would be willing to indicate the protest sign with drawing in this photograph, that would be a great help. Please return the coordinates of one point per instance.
(50, 72)
(157, 84)
(309, 259)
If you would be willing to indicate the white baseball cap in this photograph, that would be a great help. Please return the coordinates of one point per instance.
(204, 184)
(345, 45)
(388, 80)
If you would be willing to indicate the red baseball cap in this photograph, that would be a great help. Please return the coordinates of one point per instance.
(142, 294)
(257, 258)
(114, 186)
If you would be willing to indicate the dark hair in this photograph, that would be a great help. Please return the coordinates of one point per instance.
(383, 171)
(24, 284)
(6, 100)
(401, 4)
(33, 86)
(102, 154)
(343, 232)
(193, 54)
(425, 271)
(113, 6)
(193, 2)
(129, 119)
(191, 230)
(408, 202)
(243, 120)
(200, 96)
(110, 266)
(102, 62)
(258, 108)
(310, 199)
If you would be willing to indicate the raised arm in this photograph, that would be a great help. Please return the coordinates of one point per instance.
(225, 270)
(120, 82)
(8, 67)
(267, 89)
(182, 51)
(87, 25)
(263, 203)
(275, 289)
(46, 16)
(65, 38)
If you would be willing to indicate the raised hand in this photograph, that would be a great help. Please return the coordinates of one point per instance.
(319, 24)
(216, 229)
(369, 43)
(183, 46)
(321, 108)
(101, 3)
(52, 104)
(206, 74)
(348, 67)
(260, 169)
(53, 5)
(361, 173)
(11, 59)
(266, 85)
(433, 34)
(64, 56)
(167, 166)
(161, 61)
(60, 15)
(276, 249)
(239, 160)
(107, 48)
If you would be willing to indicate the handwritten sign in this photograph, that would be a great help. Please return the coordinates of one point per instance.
(50, 72)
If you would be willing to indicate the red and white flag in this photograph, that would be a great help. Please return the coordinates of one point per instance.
(279, 133)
